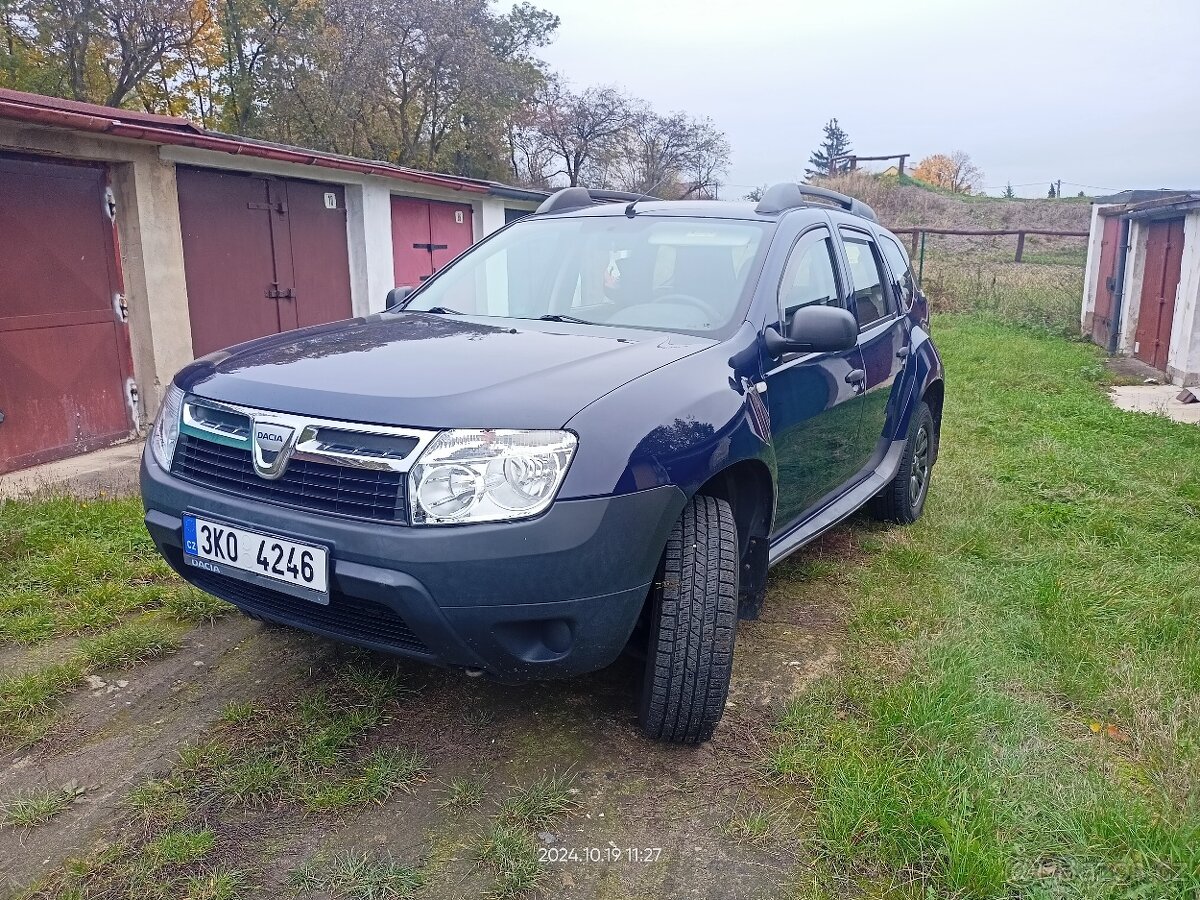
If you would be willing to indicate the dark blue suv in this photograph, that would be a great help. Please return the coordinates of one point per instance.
(595, 430)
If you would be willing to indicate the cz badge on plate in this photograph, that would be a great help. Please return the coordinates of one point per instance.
(232, 551)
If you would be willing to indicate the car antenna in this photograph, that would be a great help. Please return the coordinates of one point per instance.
(629, 210)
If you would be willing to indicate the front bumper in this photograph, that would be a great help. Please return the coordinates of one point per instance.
(548, 597)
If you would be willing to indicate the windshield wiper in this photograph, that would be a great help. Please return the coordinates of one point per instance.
(557, 317)
(443, 310)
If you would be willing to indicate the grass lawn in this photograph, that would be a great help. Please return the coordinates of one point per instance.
(86, 573)
(1019, 709)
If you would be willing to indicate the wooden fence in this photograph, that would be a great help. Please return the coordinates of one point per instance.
(918, 241)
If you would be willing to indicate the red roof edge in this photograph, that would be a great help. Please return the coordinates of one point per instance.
(88, 117)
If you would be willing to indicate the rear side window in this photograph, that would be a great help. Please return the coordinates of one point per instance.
(810, 276)
(872, 300)
(903, 283)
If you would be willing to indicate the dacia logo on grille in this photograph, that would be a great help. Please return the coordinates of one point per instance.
(273, 445)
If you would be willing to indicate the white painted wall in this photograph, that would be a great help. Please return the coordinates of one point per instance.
(369, 233)
(1131, 299)
(491, 216)
(1183, 356)
(1091, 271)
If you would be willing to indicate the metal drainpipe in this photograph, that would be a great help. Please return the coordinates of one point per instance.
(1114, 336)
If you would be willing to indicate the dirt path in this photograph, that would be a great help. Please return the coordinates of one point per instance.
(683, 805)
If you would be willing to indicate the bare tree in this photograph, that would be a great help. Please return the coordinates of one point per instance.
(672, 155)
(583, 129)
(707, 159)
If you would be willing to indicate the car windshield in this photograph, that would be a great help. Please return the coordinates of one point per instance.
(663, 273)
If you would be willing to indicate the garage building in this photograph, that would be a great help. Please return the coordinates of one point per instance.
(1141, 294)
(132, 243)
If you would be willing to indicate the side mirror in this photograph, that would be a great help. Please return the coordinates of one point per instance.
(397, 295)
(815, 329)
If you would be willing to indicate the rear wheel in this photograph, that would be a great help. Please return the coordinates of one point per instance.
(903, 500)
(693, 620)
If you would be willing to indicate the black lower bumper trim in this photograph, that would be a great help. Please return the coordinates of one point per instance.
(348, 617)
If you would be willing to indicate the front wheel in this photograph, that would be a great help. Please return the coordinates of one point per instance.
(693, 619)
(903, 500)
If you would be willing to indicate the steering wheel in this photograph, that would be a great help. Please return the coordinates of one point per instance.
(714, 314)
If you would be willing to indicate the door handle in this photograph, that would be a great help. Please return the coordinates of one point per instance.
(856, 376)
(902, 353)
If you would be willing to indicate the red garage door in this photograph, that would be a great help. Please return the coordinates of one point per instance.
(64, 350)
(1164, 261)
(1106, 288)
(262, 255)
(426, 235)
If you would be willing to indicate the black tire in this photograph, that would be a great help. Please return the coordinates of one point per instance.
(903, 500)
(693, 620)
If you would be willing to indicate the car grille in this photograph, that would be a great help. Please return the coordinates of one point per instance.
(347, 617)
(305, 484)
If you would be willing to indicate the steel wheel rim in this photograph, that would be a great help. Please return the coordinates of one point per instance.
(918, 479)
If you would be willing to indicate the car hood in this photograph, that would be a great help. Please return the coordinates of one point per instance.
(436, 371)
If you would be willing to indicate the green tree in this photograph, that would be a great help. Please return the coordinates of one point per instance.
(827, 158)
(1009, 193)
(1051, 194)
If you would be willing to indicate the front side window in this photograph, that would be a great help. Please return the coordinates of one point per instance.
(665, 273)
(903, 282)
(871, 298)
(810, 276)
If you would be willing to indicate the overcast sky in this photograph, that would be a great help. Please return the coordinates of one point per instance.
(1104, 94)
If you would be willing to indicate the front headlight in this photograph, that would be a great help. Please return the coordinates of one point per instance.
(165, 434)
(488, 476)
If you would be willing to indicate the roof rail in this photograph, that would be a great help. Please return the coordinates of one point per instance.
(579, 198)
(789, 195)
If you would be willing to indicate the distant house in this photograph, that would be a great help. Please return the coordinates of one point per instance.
(1141, 290)
(131, 243)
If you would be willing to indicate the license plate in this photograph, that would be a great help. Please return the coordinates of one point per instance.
(277, 558)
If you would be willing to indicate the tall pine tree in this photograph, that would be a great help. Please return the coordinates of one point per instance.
(1009, 193)
(1052, 194)
(826, 160)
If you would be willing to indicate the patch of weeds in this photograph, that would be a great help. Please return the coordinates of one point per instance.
(160, 800)
(178, 847)
(375, 682)
(37, 808)
(34, 694)
(194, 606)
(511, 851)
(195, 759)
(257, 780)
(509, 847)
(755, 821)
(478, 716)
(462, 793)
(128, 644)
(237, 712)
(358, 876)
(214, 886)
(380, 774)
(539, 803)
